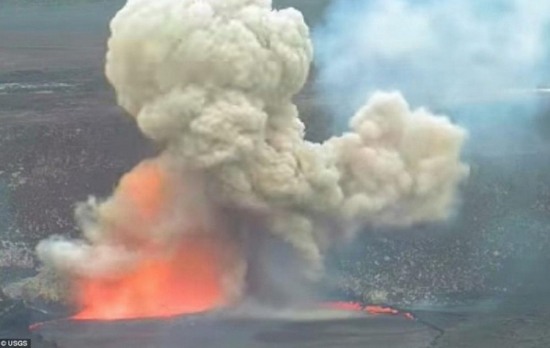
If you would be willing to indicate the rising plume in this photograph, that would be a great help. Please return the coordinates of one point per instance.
(213, 82)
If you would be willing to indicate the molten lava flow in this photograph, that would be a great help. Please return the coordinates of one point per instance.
(189, 281)
(381, 310)
(177, 275)
(344, 306)
(373, 310)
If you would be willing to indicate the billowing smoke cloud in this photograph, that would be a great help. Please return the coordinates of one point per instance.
(443, 53)
(213, 82)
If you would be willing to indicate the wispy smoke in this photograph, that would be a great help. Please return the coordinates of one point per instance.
(213, 82)
(441, 53)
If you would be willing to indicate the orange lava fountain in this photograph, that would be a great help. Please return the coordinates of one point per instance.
(187, 282)
(183, 276)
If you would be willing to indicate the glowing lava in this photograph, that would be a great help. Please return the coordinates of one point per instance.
(370, 309)
(183, 275)
(189, 281)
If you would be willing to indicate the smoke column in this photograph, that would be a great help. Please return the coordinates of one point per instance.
(212, 81)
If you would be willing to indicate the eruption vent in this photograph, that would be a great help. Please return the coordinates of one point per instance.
(213, 82)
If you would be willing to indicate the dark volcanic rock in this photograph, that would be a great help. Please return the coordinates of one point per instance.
(57, 152)
(218, 332)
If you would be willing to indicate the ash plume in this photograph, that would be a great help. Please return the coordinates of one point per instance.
(213, 82)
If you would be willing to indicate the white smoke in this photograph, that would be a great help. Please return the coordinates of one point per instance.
(213, 81)
(439, 52)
